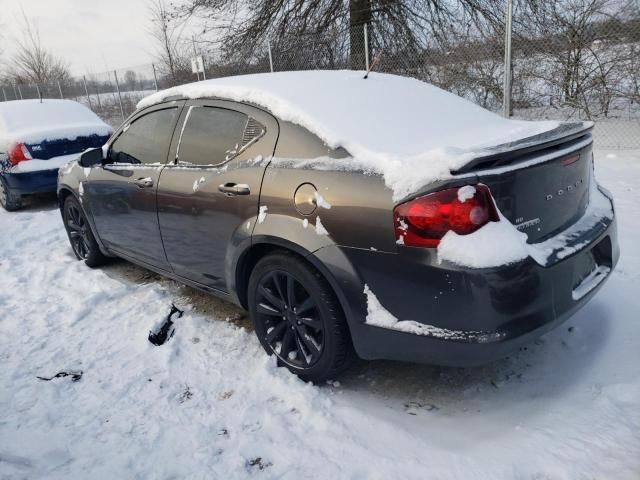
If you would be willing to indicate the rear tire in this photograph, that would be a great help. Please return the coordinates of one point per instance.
(9, 200)
(298, 318)
(81, 237)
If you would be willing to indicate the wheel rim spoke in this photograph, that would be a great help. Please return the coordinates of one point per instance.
(309, 343)
(276, 281)
(271, 298)
(311, 322)
(265, 309)
(305, 306)
(287, 342)
(275, 333)
(291, 294)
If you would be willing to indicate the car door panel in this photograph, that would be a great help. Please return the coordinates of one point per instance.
(198, 221)
(122, 200)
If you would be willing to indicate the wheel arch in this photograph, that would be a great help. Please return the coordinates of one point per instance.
(64, 191)
(262, 246)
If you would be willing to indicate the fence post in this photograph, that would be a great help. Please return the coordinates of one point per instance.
(366, 47)
(20, 92)
(155, 77)
(86, 91)
(60, 89)
(4, 94)
(506, 93)
(270, 57)
(119, 96)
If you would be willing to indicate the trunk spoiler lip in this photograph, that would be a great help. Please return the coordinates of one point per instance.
(508, 152)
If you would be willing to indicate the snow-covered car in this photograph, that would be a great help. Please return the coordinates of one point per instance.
(36, 138)
(380, 215)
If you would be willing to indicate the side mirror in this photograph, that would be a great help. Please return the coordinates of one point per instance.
(91, 158)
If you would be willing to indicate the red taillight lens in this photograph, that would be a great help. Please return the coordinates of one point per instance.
(422, 222)
(18, 153)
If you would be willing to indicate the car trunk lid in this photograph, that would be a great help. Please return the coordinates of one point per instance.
(52, 148)
(540, 184)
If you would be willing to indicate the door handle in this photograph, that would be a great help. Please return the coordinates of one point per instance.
(145, 182)
(232, 189)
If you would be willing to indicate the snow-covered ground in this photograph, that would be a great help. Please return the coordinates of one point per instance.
(209, 404)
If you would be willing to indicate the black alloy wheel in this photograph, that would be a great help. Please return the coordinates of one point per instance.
(294, 330)
(81, 237)
(77, 228)
(298, 318)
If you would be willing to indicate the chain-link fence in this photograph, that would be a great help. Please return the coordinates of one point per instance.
(571, 67)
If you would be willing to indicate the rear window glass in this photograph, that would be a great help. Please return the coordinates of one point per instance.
(212, 136)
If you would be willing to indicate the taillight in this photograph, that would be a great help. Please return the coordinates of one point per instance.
(18, 153)
(423, 221)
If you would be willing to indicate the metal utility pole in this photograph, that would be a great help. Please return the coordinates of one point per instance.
(506, 94)
(270, 57)
(119, 96)
(155, 76)
(195, 55)
(86, 91)
(366, 47)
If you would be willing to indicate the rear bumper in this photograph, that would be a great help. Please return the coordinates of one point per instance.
(26, 183)
(466, 317)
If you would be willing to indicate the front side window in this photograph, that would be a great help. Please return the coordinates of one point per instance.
(212, 136)
(146, 140)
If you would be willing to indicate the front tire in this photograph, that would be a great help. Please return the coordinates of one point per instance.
(9, 200)
(81, 237)
(298, 318)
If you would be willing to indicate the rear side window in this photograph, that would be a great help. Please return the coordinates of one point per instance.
(212, 136)
(146, 140)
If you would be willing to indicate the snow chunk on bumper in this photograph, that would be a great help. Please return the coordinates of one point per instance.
(495, 244)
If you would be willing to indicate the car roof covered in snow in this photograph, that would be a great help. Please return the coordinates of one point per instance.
(384, 113)
(33, 121)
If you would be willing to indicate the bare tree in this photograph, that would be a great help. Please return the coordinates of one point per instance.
(242, 26)
(575, 51)
(171, 49)
(32, 62)
(130, 79)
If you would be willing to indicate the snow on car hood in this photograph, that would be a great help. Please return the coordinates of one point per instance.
(408, 130)
(34, 121)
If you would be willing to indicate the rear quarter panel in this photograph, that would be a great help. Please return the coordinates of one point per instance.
(359, 210)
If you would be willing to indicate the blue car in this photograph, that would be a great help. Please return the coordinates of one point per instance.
(37, 137)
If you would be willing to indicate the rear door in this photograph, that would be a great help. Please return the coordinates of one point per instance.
(122, 193)
(211, 190)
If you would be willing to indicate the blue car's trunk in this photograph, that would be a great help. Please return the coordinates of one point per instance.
(56, 148)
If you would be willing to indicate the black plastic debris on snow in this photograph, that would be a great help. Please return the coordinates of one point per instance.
(75, 376)
(166, 330)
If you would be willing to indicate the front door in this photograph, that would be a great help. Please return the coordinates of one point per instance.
(212, 189)
(122, 193)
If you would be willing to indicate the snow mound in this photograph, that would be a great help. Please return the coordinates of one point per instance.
(34, 121)
(409, 131)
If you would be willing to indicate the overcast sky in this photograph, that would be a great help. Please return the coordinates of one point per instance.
(92, 35)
